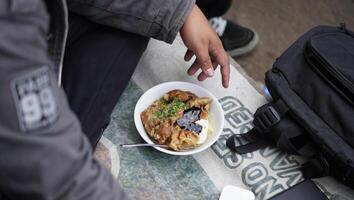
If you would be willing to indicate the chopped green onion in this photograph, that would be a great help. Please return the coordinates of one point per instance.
(170, 109)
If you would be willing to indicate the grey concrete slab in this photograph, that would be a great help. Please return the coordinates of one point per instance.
(281, 22)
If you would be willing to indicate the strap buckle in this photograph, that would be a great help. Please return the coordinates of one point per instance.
(266, 118)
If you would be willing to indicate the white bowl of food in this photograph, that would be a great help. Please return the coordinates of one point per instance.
(183, 116)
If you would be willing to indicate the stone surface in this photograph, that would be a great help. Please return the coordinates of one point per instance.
(280, 23)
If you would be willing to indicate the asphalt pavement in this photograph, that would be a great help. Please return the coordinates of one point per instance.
(280, 22)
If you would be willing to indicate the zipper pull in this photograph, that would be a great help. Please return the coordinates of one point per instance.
(343, 27)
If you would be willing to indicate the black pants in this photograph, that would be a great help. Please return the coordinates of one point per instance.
(214, 8)
(98, 64)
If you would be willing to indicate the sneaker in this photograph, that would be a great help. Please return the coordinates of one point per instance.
(237, 40)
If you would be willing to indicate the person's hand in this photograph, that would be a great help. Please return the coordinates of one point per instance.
(202, 41)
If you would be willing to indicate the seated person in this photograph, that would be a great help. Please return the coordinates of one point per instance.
(55, 105)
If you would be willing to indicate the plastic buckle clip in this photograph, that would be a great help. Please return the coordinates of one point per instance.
(266, 118)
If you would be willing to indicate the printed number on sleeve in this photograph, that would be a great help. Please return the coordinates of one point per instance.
(35, 101)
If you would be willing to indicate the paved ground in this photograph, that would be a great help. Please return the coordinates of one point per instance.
(280, 22)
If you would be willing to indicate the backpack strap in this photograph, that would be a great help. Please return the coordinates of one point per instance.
(272, 125)
(255, 142)
(265, 118)
(269, 115)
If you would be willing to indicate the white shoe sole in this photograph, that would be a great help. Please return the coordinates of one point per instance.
(246, 49)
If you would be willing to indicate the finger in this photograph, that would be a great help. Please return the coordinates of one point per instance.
(204, 61)
(202, 76)
(189, 54)
(225, 73)
(193, 68)
(221, 57)
(225, 70)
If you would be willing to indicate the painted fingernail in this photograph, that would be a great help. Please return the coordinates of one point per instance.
(210, 72)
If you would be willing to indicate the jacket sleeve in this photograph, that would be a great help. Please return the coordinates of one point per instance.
(159, 19)
(43, 153)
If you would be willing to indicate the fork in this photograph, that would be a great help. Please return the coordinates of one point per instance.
(143, 145)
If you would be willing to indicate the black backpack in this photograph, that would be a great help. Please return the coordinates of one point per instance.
(312, 111)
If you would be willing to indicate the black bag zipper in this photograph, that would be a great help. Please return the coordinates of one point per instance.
(330, 73)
